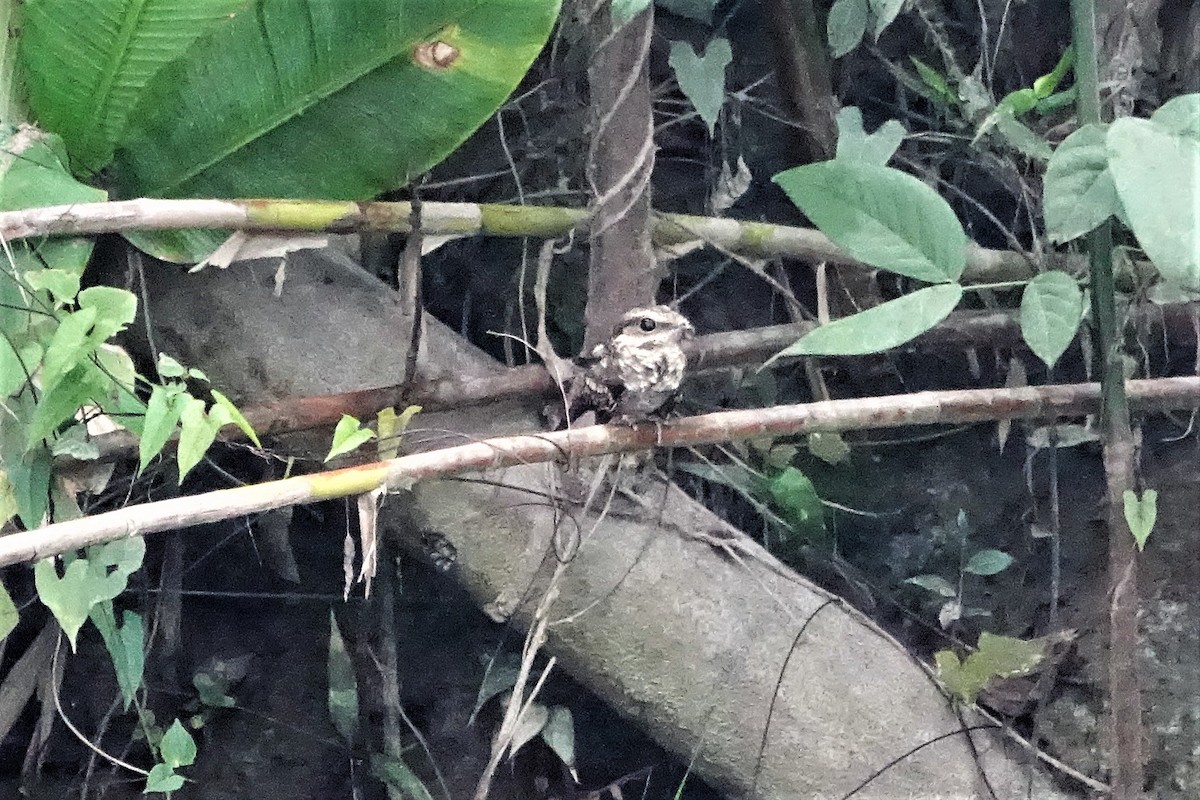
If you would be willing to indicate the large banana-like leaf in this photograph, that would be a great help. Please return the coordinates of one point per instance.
(336, 99)
(86, 62)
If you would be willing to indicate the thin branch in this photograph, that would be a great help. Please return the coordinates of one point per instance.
(922, 408)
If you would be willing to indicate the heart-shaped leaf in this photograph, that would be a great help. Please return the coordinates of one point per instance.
(855, 144)
(1141, 513)
(100, 576)
(702, 78)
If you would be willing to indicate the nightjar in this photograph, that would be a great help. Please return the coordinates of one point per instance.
(637, 371)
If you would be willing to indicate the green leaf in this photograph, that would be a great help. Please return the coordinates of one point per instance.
(236, 416)
(162, 778)
(797, 501)
(8, 499)
(162, 415)
(395, 773)
(70, 345)
(100, 576)
(196, 434)
(702, 78)
(1051, 310)
(1022, 138)
(390, 426)
(115, 310)
(256, 107)
(29, 474)
(559, 734)
(348, 436)
(881, 216)
(1046, 85)
(884, 12)
(1180, 115)
(880, 328)
(934, 583)
(60, 403)
(988, 562)
(212, 690)
(847, 25)
(936, 81)
(169, 367)
(1022, 101)
(34, 173)
(62, 284)
(87, 61)
(16, 368)
(1078, 191)
(625, 10)
(1155, 172)
(8, 613)
(500, 676)
(1141, 514)
(177, 747)
(855, 144)
(125, 647)
(343, 687)
(828, 446)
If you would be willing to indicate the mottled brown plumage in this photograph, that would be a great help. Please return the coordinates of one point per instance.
(637, 371)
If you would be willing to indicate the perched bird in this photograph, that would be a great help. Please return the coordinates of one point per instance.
(637, 371)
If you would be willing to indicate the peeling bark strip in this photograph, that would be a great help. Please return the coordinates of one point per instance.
(922, 408)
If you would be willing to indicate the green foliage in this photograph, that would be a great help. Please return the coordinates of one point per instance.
(171, 407)
(1154, 169)
(855, 144)
(849, 21)
(1078, 191)
(702, 78)
(988, 562)
(625, 10)
(996, 657)
(1141, 514)
(125, 646)
(885, 326)
(1051, 310)
(795, 498)
(87, 62)
(176, 749)
(348, 436)
(87, 581)
(343, 686)
(1133, 169)
(391, 427)
(8, 612)
(881, 216)
(194, 101)
(393, 772)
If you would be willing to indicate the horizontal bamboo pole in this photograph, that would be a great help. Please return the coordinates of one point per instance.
(945, 407)
(460, 219)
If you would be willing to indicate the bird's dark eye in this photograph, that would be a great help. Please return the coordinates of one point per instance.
(647, 324)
